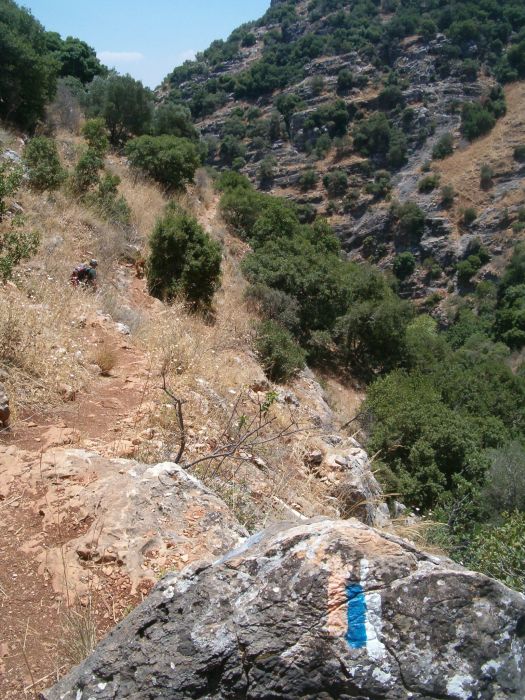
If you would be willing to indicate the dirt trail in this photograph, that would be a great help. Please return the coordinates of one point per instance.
(34, 619)
(103, 417)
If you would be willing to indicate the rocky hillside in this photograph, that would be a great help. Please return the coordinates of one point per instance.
(352, 108)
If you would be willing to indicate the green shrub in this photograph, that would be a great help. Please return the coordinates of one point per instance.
(170, 160)
(428, 183)
(281, 357)
(499, 551)
(231, 150)
(183, 259)
(410, 219)
(444, 147)
(391, 97)
(86, 172)
(275, 305)
(10, 180)
(15, 246)
(267, 170)
(307, 180)
(95, 133)
(44, 169)
(519, 153)
(107, 202)
(466, 269)
(382, 184)
(174, 120)
(486, 175)
(469, 216)
(404, 265)
(336, 183)
(476, 120)
(229, 180)
(447, 196)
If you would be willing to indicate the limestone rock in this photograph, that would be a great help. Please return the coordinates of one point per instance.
(326, 609)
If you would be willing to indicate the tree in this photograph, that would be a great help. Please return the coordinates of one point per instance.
(124, 103)
(174, 120)
(183, 259)
(75, 57)
(29, 72)
(44, 169)
(170, 160)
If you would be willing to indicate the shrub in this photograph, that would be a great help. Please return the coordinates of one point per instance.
(10, 181)
(391, 97)
(15, 246)
(280, 355)
(170, 160)
(500, 551)
(307, 180)
(410, 218)
(336, 183)
(183, 259)
(469, 216)
(466, 269)
(95, 133)
(486, 175)
(428, 183)
(476, 120)
(444, 147)
(267, 170)
(231, 149)
(229, 180)
(381, 185)
(44, 169)
(106, 200)
(275, 305)
(174, 120)
(447, 196)
(519, 153)
(85, 173)
(404, 265)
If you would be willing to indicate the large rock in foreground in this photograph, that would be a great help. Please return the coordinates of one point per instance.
(321, 610)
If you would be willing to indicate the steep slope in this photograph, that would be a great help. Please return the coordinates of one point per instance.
(289, 100)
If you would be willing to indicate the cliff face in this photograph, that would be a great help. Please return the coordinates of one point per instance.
(321, 610)
(291, 127)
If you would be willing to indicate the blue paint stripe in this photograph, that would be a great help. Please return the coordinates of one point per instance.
(356, 634)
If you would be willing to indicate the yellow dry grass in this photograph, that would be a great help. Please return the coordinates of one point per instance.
(462, 169)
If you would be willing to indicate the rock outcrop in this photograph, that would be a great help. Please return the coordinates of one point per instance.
(326, 609)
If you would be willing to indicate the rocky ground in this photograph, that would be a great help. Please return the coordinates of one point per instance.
(94, 512)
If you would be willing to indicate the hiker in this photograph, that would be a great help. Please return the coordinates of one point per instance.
(85, 275)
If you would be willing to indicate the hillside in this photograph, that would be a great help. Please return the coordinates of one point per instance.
(341, 106)
(280, 405)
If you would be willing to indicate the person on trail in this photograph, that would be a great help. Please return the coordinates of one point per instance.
(85, 275)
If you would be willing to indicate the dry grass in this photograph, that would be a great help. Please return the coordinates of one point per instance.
(105, 358)
(462, 169)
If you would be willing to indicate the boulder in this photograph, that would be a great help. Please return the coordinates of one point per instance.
(324, 609)
(4, 407)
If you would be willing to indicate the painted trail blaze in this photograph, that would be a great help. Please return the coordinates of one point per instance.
(356, 634)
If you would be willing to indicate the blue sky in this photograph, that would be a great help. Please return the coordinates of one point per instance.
(146, 39)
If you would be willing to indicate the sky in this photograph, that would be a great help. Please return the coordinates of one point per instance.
(146, 38)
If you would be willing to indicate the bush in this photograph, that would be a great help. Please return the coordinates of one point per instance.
(469, 216)
(174, 120)
(183, 259)
(391, 97)
(229, 180)
(307, 180)
(10, 181)
(170, 160)
(267, 170)
(466, 269)
(485, 178)
(519, 153)
(106, 200)
(86, 171)
(476, 120)
(15, 246)
(336, 183)
(410, 218)
(447, 196)
(404, 265)
(500, 551)
(281, 357)
(444, 147)
(381, 185)
(275, 305)
(231, 149)
(95, 133)
(44, 169)
(428, 183)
